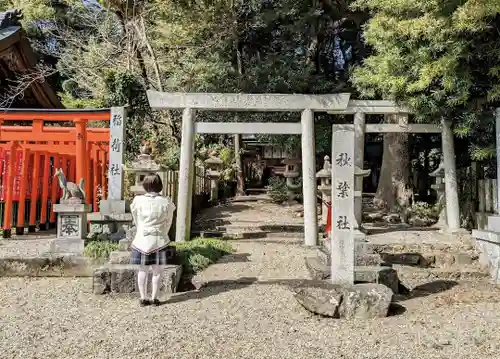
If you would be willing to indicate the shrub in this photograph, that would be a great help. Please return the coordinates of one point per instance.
(197, 254)
(99, 250)
(424, 210)
(277, 189)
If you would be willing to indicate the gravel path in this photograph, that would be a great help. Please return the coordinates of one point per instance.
(60, 318)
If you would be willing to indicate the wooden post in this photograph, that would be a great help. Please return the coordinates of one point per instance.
(35, 181)
(95, 179)
(81, 153)
(7, 223)
(89, 193)
(104, 171)
(72, 170)
(45, 191)
(22, 192)
(54, 191)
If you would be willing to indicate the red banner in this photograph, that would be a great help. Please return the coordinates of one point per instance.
(4, 162)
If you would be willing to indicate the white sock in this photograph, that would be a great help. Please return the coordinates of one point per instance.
(156, 281)
(142, 277)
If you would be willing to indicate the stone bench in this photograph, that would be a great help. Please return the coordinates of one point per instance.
(122, 278)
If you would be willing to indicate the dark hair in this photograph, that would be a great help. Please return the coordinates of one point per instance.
(152, 183)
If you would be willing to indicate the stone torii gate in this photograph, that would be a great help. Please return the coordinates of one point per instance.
(307, 105)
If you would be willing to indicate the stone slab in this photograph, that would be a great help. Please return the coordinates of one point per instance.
(111, 207)
(493, 223)
(248, 102)
(48, 265)
(106, 218)
(67, 245)
(358, 301)
(72, 208)
(121, 278)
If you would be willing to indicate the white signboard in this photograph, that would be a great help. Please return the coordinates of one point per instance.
(116, 150)
(343, 221)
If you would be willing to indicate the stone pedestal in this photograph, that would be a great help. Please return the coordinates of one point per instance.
(71, 228)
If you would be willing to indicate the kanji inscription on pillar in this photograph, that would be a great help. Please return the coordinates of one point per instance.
(342, 240)
(116, 149)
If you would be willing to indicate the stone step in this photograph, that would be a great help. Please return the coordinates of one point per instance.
(247, 227)
(421, 247)
(122, 278)
(426, 260)
(412, 274)
(246, 235)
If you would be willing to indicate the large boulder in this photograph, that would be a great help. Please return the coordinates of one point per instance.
(358, 301)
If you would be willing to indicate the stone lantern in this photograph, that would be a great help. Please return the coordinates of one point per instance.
(439, 187)
(214, 166)
(325, 187)
(291, 173)
(141, 167)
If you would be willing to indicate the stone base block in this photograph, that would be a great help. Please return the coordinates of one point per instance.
(377, 274)
(488, 244)
(67, 245)
(358, 301)
(387, 276)
(119, 257)
(124, 244)
(111, 206)
(371, 260)
(122, 278)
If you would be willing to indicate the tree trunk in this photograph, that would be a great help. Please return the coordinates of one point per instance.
(393, 190)
(240, 178)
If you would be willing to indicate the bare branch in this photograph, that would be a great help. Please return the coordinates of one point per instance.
(22, 81)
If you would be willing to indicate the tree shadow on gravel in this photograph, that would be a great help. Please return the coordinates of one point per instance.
(427, 289)
(212, 288)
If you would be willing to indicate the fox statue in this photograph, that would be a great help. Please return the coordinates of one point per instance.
(70, 190)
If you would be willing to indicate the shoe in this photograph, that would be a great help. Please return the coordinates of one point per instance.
(156, 302)
(144, 302)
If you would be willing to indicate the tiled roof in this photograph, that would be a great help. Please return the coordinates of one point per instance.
(10, 18)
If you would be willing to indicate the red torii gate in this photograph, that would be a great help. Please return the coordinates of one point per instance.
(37, 150)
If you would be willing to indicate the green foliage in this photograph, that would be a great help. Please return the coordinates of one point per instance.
(98, 250)
(424, 210)
(198, 253)
(277, 189)
(439, 58)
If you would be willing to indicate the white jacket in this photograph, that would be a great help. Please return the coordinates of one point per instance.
(153, 216)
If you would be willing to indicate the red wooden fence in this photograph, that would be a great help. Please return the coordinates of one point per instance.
(28, 186)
